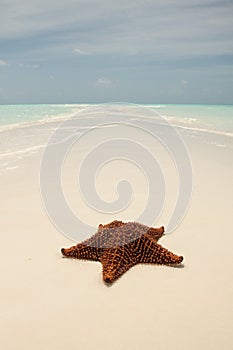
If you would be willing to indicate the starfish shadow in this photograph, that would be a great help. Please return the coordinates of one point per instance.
(180, 266)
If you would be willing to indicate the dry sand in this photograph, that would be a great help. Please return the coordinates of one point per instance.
(48, 302)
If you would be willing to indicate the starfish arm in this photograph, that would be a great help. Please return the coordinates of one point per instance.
(156, 233)
(81, 251)
(153, 253)
(113, 224)
(115, 262)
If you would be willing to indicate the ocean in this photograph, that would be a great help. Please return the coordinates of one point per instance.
(25, 129)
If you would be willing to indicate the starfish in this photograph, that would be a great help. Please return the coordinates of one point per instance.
(119, 246)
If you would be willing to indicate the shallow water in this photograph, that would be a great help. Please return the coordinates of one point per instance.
(26, 129)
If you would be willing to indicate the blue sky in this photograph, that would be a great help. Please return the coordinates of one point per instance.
(141, 51)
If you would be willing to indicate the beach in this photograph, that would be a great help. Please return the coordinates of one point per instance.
(49, 302)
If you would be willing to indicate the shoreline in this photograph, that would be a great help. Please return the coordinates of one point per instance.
(13, 150)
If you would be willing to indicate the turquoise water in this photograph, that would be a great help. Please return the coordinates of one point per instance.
(13, 115)
(210, 117)
(26, 129)
(204, 117)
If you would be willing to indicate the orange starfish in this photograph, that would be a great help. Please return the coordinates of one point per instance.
(119, 246)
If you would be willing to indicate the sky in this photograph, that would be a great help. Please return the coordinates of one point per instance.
(139, 51)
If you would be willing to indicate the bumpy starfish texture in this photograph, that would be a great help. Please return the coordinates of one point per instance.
(119, 246)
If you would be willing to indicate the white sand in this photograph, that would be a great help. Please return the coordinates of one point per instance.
(48, 302)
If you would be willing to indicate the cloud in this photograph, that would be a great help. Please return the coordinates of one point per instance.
(104, 82)
(30, 65)
(163, 28)
(81, 52)
(3, 63)
(146, 45)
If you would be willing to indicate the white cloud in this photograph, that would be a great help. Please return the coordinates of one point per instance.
(29, 65)
(81, 52)
(184, 82)
(3, 63)
(177, 28)
(104, 82)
